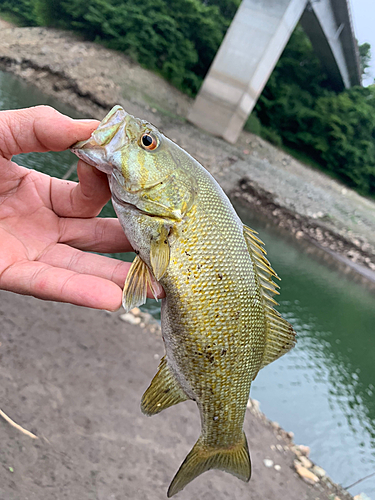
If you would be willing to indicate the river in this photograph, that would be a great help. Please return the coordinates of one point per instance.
(323, 390)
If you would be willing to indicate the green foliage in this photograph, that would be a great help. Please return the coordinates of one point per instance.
(48, 12)
(345, 136)
(364, 57)
(335, 130)
(253, 124)
(271, 136)
(23, 10)
(176, 38)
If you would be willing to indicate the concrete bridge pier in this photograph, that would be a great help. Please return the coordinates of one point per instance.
(250, 50)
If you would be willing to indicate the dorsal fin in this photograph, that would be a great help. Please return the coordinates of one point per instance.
(280, 336)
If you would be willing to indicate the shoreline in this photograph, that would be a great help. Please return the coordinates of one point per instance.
(29, 53)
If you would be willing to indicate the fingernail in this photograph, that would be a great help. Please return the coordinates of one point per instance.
(86, 120)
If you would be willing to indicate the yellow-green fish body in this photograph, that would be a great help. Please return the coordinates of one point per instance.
(218, 322)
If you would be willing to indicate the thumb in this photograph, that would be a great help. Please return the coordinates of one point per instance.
(40, 129)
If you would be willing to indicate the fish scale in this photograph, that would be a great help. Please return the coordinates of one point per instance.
(219, 325)
(205, 331)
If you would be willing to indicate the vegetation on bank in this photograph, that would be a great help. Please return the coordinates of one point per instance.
(298, 109)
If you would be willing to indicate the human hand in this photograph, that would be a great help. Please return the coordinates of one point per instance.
(48, 225)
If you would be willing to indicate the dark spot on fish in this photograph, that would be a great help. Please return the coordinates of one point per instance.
(188, 254)
(166, 390)
(220, 276)
(137, 252)
(210, 357)
(198, 266)
(212, 391)
(223, 352)
(166, 242)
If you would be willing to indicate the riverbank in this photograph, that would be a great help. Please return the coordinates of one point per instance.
(79, 391)
(307, 203)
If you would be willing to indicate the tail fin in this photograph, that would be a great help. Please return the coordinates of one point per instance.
(235, 460)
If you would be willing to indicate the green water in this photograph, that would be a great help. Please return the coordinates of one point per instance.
(323, 390)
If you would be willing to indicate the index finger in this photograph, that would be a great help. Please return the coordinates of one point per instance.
(40, 129)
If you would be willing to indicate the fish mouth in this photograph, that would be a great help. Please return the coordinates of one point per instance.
(112, 134)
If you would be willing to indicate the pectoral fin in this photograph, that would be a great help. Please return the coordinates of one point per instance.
(163, 392)
(137, 281)
(160, 252)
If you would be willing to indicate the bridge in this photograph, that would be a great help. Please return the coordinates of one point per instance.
(253, 45)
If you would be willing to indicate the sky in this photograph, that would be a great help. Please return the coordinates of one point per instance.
(363, 13)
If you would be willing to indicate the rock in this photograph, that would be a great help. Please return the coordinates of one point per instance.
(318, 471)
(279, 448)
(362, 496)
(129, 318)
(267, 462)
(135, 311)
(299, 235)
(305, 462)
(275, 425)
(305, 474)
(304, 450)
(254, 406)
(277, 467)
(290, 435)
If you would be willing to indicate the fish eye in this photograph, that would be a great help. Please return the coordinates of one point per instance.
(149, 141)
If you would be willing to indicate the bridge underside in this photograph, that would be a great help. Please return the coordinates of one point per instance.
(251, 48)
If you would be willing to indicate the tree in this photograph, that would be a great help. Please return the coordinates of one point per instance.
(364, 57)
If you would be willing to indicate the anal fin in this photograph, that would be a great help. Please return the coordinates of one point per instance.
(235, 460)
(163, 392)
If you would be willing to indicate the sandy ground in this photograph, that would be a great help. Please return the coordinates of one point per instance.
(74, 377)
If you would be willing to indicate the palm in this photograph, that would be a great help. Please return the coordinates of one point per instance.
(46, 224)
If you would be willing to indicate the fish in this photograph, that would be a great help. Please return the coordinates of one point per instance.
(219, 324)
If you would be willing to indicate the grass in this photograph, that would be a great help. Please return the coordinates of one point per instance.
(304, 158)
(11, 17)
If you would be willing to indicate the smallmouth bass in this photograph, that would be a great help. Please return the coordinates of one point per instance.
(218, 322)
